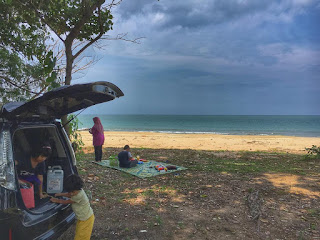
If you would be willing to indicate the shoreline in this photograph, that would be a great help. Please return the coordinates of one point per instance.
(204, 141)
(211, 133)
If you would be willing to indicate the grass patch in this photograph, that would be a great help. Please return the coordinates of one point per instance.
(178, 204)
(148, 193)
(241, 162)
(315, 213)
(158, 220)
(253, 162)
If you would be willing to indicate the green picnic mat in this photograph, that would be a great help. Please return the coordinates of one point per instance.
(142, 170)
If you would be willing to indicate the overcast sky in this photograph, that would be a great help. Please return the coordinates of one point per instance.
(213, 57)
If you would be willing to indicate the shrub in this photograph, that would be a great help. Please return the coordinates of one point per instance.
(314, 151)
(74, 135)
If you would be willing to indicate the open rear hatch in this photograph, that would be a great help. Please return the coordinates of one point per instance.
(61, 101)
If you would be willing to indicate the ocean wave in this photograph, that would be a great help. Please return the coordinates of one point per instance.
(83, 129)
(189, 132)
(181, 132)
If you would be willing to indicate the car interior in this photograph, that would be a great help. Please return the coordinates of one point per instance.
(25, 139)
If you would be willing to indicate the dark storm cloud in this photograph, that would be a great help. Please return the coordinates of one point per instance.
(215, 12)
(233, 30)
(193, 14)
(215, 57)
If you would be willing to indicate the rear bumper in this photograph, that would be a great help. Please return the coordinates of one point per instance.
(60, 228)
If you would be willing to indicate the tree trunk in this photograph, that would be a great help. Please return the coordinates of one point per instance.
(68, 78)
(73, 34)
(69, 60)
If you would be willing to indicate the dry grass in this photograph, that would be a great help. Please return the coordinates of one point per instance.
(207, 201)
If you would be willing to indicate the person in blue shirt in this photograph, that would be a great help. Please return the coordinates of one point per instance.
(125, 158)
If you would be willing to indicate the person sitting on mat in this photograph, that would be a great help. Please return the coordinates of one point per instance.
(125, 158)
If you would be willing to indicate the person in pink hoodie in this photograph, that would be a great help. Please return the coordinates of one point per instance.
(98, 138)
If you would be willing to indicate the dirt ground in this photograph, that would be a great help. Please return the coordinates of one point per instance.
(206, 201)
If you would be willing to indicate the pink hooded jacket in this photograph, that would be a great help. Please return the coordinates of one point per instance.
(97, 132)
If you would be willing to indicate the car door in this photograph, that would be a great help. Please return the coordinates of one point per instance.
(61, 101)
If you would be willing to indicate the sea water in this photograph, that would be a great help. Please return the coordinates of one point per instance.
(306, 126)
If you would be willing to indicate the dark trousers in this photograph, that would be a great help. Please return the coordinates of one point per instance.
(133, 163)
(98, 153)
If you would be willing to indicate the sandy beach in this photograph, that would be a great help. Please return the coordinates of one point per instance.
(205, 141)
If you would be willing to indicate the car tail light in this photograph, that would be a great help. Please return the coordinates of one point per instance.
(10, 234)
(7, 179)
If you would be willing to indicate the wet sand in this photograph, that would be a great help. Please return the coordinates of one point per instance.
(205, 141)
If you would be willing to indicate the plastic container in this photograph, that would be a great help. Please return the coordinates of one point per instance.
(27, 194)
(55, 179)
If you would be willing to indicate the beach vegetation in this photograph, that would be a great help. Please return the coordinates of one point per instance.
(75, 136)
(148, 193)
(315, 213)
(250, 162)
(42, 43)
(313, 152)
(158, 220)
(202, 200)
(27, 64)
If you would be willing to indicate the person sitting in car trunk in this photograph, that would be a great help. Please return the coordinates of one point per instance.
(32, 167)
(125, 158)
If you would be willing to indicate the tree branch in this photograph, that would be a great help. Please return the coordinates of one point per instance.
(122, 37)
(7, 80)
(96, 38)
(113, 4)
(42, 18)
(85, 16)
